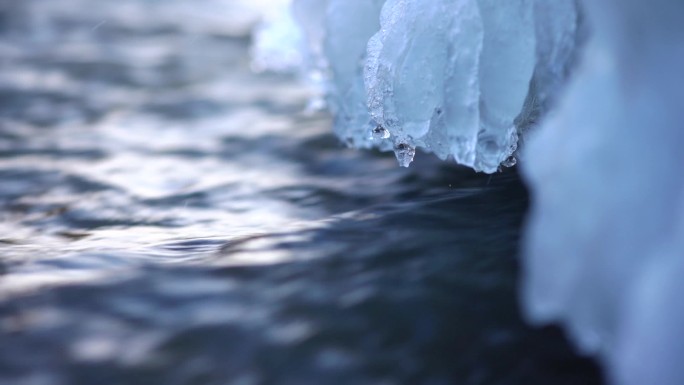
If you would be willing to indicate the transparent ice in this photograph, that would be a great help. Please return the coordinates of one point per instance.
(455, 78)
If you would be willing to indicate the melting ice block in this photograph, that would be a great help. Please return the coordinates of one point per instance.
(350, 23)
(452, 77)
(420, 87)
(337, 33)
(464, 78)
(459, 78)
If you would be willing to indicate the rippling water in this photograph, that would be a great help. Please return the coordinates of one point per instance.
(168, 217)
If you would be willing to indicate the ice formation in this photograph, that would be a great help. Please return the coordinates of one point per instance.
(466, 79)
(453, 77)
(605, 245)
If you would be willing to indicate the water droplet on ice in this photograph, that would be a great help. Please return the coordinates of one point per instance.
(509, 162)
(380, 132)
(404, 153)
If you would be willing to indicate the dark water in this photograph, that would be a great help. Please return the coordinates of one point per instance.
(167, 217)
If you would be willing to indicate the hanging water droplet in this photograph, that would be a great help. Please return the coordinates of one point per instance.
(380, 132)
(510, 161)
(404, 153)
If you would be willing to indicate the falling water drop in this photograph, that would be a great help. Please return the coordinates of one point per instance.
(404, 153)
(380, 132)
(510, 161)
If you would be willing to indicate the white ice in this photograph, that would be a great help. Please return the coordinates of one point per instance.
(605, 245)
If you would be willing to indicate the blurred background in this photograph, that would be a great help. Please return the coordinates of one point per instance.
(169, 217)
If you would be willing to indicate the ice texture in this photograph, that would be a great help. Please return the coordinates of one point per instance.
(470, 79)
(419, 88)
(345, 47)
(337, 33)
(605, 244)
(452, 77)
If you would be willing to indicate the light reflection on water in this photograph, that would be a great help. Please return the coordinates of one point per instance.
(168, 217)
